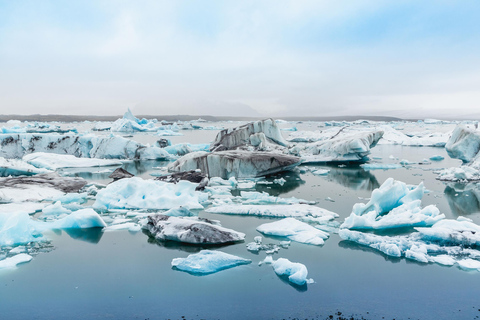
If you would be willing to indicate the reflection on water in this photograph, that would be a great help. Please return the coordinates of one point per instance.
(353, 177)
(358, 247)
(302, 288)
(91, 235)
(293, 181)
(140, 167)
(463, 202)
(175, 245)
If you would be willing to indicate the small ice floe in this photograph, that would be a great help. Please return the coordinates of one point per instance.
(294, 230)
(190, 230)
(321, 172)
(137, 193)
(436, 158)
(258, 198)
(207, 262)
(15, 167)
(277, 211)
(280, 181)
(12, 262)
(53, 161)
(269, 248)
(295, 272)
(393, 205)
(380, 166)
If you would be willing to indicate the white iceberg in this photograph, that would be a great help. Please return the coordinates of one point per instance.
(277, 211)
(129, 123)
(53, 161)
(393, 205)
(207, 262)
(137, 193)
(12, 262)
(295, 272)
(343, 148)
(294, 230)
(15, 167)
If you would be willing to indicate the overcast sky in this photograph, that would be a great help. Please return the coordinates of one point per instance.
(259, 58)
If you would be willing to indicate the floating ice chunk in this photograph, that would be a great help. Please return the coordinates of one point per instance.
(294, 230)
(462, 173)
(464, 143)
(280, 181)
(380, 166)
(391, 246)
(22, 207)
(238, 163)
(418, 253)
(184, 148)
(246, 185)
(12, 262)
(190, 230)
(437, 158)
(321, 172)
(81, 219)
(178, 212)
(469, 264)
(426, 139)
(17, 250)
(136, 193)
(53, 161)
(55, 209)
(130, 226)
(354, 147)
(207, 262)
(14, 167)
(449, 231)
(167, 133)
(254, 197)
(296, 272)
(28, 193)
(72, 198)
(268, 260)
(443, 259)
(260, 134)
(277, 211)
(129, 123)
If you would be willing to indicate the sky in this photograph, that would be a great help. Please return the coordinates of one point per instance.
(409, 59)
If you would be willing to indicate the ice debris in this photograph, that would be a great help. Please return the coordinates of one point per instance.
(15, 167)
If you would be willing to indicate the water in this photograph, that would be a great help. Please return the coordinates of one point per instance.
(123, 275)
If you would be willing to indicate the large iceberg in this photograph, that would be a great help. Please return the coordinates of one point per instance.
(82, 146)
(53, 161)
(294, 230)
(423, 139)
(342, 148)
(393, 205)
(190, 230)
(207, 262)
(137, 193)
(237, 163)
(259, 135)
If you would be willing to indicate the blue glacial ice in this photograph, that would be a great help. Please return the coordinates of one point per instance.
(294, 230)
(130, 123)
(15, 167)
(380, 166)
(207, 262)
(137, 193)
(393, 205)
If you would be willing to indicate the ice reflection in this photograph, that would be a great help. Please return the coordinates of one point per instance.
(358, 247)
(302, 288)
(462, 199)
(353, 177)
(293, 181)
(91, 235)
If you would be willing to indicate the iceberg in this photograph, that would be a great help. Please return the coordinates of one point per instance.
(393, 205)
(238, 163)
(207, 262)
(294, 230)
(190, 230)
(276, 211)
(424, 139)
(130, 123)
(137, 193)
(82, 146)
(295, 272)
(261, 135)
(12, 262)
(15, 167)
(53, 161)
(464, 233)
(343, 148)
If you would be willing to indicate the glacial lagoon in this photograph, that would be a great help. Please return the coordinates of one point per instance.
(127, 274)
